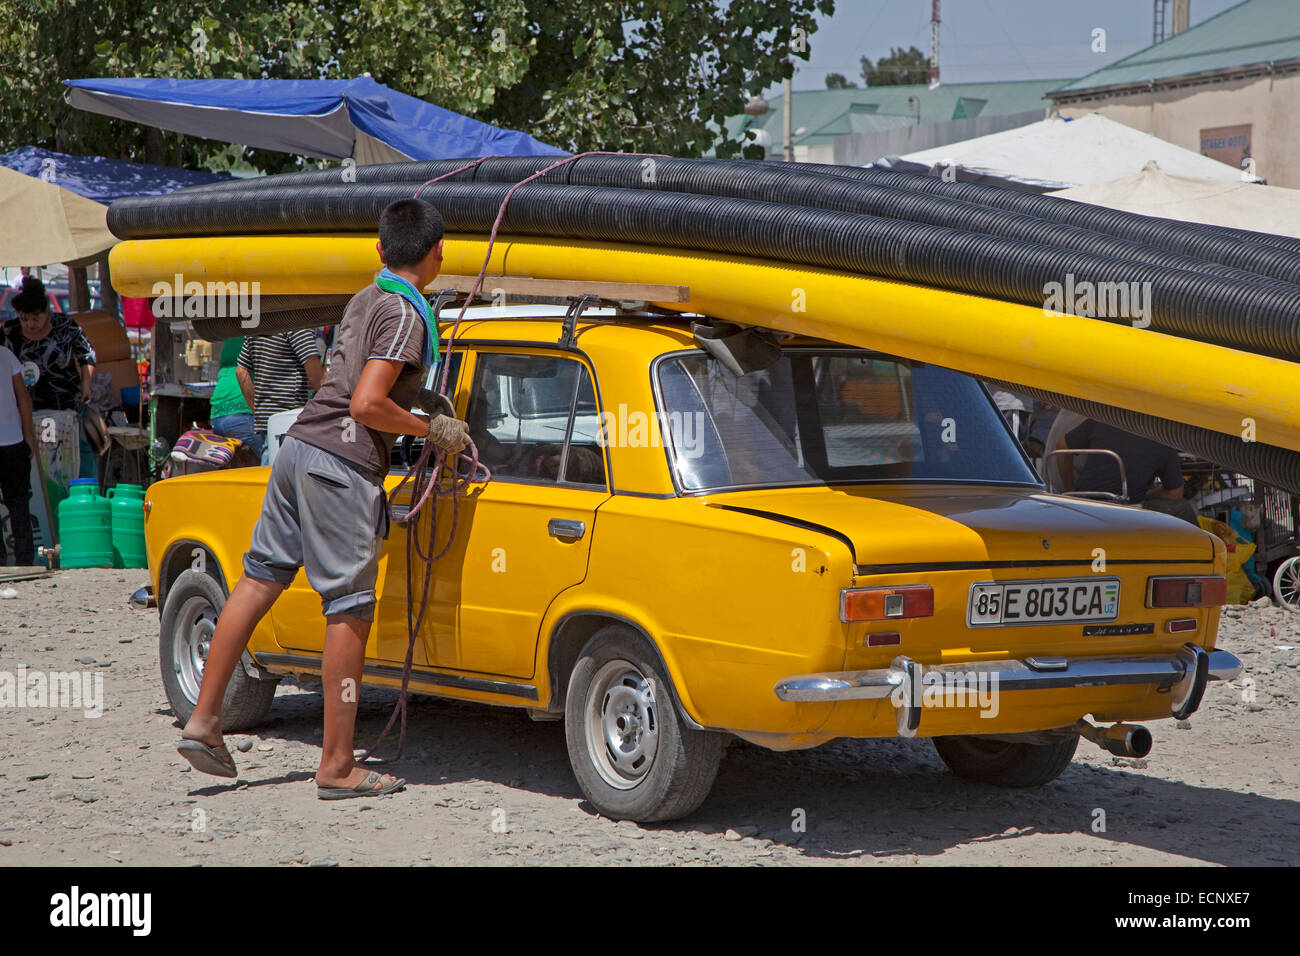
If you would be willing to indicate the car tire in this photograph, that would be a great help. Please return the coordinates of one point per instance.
(630, 751)
(1004, 763)
(188, 618)
(1286, 584)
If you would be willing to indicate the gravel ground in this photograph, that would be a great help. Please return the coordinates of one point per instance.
(489, 786)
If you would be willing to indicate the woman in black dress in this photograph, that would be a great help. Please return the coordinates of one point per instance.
(54, 351)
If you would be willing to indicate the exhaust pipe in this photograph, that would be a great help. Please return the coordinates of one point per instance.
(1123, 740)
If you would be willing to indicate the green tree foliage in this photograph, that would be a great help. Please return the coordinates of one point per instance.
(837, 81)
(900, 68)
(637, 75)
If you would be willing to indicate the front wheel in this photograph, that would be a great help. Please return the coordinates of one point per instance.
(1005, 763)
(633, 757)
(189, 618)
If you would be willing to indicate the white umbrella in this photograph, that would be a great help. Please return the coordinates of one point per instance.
(1058, 154)
(1154, 192)
(41, 223)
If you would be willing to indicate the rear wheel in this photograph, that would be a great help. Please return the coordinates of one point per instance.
(1005, 763)
(632, 755)
(188, 619)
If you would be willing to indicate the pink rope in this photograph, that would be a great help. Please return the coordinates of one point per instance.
(459, 169)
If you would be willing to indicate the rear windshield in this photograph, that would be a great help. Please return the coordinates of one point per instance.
(831, 416)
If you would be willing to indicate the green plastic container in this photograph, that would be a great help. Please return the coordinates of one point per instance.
(85, 527)
(126, 502)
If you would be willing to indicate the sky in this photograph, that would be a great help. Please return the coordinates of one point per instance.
(984, 40)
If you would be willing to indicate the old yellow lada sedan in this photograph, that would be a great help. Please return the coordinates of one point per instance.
(694, 530)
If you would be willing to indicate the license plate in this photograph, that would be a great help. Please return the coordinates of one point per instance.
(1056, 601)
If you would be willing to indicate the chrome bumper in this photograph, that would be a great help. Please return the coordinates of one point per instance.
(1186, 672)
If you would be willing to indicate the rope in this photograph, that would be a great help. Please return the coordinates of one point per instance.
(426, 484)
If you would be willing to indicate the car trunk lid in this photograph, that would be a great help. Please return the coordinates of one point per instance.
(894, 528)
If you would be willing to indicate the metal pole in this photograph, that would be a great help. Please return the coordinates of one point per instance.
(934, 44)
(787, 94)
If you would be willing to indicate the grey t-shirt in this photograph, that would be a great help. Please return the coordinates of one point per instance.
(376, 325)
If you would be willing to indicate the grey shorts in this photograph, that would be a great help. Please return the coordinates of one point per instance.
(326, 515)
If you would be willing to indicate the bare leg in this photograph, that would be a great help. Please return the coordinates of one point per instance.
(341, 665)
(245, 607)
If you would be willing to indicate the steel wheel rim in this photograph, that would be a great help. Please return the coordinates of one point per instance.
(1286, 584)
(622, 724)
(195, 624)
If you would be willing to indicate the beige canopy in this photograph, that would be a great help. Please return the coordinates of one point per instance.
(41, 223)
(1154, 192)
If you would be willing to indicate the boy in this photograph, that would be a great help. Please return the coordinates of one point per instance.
(325, 507)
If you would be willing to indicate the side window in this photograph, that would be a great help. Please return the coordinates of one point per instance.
(457, 359)
(585, 464)
(406, 449)
(534, 417)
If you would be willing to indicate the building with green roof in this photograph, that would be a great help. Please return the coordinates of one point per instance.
(1227, 87)
(821, 117)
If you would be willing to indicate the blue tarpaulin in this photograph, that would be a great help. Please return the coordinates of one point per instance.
(101, 179)
(327, 119)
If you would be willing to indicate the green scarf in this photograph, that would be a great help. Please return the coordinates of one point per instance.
(392, 282)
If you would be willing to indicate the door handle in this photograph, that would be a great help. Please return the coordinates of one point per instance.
(563, 528)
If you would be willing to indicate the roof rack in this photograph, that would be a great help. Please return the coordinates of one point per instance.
(623, 296)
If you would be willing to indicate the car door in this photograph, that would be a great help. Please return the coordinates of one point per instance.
(296, 615)
(436, 642)
(523, 536)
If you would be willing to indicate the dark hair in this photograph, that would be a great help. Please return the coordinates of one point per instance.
(32, 297)
(408, 229)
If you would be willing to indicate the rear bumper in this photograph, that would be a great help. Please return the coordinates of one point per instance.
(1185, 672)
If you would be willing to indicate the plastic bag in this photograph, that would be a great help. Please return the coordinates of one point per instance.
(1240, 549)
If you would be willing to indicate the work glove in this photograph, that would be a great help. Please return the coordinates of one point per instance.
(449, 435)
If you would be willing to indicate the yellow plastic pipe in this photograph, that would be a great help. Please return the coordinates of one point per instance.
(1226, 390)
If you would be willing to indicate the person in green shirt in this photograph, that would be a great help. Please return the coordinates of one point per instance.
(230, 415)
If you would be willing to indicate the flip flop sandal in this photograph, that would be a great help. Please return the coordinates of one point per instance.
(214, 760)
(369, 787)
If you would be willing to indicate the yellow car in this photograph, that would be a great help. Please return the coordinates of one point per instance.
(698, 531)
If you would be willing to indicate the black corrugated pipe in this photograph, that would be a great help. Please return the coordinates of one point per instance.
(1267, 463)
(1116, 222)
(769, 183)
(1261, 253)
(1261, 317)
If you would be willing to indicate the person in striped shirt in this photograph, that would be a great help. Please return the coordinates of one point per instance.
(276, 373)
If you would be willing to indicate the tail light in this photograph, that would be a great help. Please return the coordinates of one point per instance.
(886, 604)
(1202, 591)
